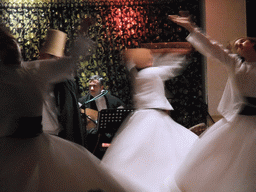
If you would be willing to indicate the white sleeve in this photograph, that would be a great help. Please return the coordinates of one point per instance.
(51, 70)
(213, 49)
(169, 65)
(56, 70)
(231, 99)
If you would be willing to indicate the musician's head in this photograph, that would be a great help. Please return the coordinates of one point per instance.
(96, 85)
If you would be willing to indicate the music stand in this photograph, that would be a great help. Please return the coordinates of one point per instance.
(109, 120)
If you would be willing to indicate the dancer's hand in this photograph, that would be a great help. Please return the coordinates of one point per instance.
(84, 45)
(183, 20)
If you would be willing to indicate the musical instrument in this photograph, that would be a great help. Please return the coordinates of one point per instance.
(90, 117)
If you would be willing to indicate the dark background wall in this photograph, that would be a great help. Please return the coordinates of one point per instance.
(113, 33)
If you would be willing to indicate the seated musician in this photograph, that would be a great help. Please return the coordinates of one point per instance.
(96, 100)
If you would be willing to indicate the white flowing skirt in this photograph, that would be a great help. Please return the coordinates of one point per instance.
(49, 163)
(147, 150)
(223, 159)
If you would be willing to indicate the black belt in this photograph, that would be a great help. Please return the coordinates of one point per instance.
(28, 127)
(249, 109)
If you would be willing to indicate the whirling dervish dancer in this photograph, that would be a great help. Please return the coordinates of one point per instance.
(224, 157)
(31, 160)
(149, 145)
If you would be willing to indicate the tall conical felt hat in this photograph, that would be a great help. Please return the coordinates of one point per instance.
(55, 43)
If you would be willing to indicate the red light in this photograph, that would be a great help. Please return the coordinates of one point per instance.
(126, 21)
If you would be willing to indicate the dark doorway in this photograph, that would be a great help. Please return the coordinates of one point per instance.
(251, 15)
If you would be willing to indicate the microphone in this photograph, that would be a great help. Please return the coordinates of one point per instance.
(102, 93)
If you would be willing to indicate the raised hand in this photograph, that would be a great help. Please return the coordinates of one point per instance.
(184, 21)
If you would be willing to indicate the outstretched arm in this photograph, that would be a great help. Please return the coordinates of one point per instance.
(169, 65)
(202, 43)
(184, 21)
(56, 70)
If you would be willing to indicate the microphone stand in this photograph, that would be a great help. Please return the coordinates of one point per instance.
(95, 122)
(104, 92)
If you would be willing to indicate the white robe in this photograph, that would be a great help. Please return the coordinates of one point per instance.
(149, 145)
(224, 158)
(44, 162)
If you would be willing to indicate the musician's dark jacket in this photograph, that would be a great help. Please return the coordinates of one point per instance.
(93, 139)
(111, 101)
(69, 115)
